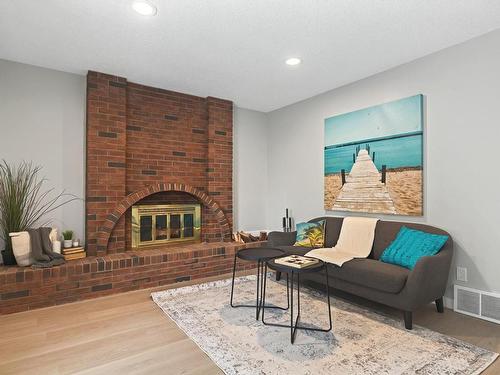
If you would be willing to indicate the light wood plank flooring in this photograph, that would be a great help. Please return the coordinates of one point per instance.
(129, 334)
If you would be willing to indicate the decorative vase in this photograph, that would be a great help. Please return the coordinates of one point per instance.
(21, 247)
(68, 244)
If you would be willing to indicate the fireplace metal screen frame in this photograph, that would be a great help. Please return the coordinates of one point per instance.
(139, 211)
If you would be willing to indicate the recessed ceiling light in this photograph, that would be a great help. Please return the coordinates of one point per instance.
(144, 8)
(293, 61)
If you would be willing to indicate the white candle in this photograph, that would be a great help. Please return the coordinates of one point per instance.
(56, 247)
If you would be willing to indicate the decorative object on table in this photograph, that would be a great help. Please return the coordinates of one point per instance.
(297, 261)
(261, 255)
(74, 253)
(372, 155)
(310, 234)
(23, 202)
(76, 243)
(237, 342)
(68, 238)
(41, 248)
(410, 245)
(21, 248)
(246, 237)
(287, 222)
(294, 270)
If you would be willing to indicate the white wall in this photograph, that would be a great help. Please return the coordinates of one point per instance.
(250, 170)
(462, 99)
(42, 119)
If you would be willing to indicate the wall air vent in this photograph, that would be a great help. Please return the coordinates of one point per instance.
(473, 302)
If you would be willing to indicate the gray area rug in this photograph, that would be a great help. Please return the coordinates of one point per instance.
(361, 341)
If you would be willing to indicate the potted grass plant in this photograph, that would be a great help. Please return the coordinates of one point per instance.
(68, 238)
(24, 202)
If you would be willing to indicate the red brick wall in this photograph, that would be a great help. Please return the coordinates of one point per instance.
(139, 136)
(106, 143)
(25, 288)
(220, 154)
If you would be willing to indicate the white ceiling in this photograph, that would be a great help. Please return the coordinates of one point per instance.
(235, 49)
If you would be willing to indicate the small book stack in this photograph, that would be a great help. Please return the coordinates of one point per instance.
(74, 253)
(296, 261)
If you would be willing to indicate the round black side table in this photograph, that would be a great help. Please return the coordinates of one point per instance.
(292, 271)
(260, 255)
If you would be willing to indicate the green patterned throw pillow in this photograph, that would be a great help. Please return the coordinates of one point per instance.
(310, 234)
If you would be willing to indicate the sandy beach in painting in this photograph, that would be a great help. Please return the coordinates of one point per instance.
(404, 186)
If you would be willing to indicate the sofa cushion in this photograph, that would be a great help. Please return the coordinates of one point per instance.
(372, 274)
(410, 245)
(310, 234)
(332, 229)
(386, 232)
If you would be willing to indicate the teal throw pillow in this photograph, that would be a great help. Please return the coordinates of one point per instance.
(310, 234)
(410, 245)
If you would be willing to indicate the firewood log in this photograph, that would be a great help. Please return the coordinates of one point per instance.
(245, 237)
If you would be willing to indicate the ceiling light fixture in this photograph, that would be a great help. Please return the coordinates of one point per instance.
(144, 8)
(293, 61)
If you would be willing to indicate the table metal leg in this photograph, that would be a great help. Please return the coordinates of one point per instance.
(328, 298)
(232, 284)
(264, 306)
(294, 321)
(258, 301)
(261, 278)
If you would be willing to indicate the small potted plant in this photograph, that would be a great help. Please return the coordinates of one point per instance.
(68, 238)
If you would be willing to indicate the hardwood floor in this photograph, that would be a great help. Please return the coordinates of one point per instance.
(129, 334)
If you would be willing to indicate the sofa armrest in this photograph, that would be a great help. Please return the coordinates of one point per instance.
(281, 238)
(427, 281)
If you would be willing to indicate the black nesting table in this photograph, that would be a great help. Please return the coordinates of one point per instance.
(260, 255)
(296, 272)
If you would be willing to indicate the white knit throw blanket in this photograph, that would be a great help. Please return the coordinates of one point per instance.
(355, 241)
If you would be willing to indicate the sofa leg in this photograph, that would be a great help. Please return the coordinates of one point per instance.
(440, 305)
(278, 276)
(408, 319)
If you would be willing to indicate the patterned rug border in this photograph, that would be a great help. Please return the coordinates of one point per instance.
(315, 293)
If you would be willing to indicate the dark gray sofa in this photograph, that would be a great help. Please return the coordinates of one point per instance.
(381, 282)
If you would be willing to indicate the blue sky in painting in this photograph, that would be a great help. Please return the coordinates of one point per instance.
(397, 117)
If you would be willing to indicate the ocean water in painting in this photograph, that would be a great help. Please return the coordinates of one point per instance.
(400, 152)
(392, 131)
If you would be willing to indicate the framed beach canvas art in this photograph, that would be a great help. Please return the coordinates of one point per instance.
(373, 159)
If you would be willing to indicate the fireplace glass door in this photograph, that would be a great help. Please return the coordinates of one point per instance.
(156, 224)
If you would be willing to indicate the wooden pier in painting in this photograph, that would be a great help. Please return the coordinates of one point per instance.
(363, 189)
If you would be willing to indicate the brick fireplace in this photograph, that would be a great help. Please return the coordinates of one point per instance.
(152, 146)
(145, 146)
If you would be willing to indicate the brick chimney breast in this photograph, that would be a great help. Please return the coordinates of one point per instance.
(150, 145)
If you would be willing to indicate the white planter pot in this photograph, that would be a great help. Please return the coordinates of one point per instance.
(68, 244)
(21, 247)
